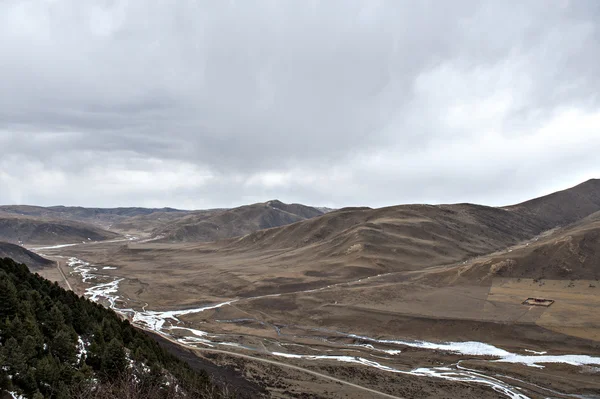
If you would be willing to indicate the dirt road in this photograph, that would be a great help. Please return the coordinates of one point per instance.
(63, 275)
(286, 365)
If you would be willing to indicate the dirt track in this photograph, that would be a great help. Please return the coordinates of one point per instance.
(162, 340)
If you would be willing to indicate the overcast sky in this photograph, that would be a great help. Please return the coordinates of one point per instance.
(200, 104)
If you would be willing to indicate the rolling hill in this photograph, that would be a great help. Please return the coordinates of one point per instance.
(426, 232)
(568, 253)
(562, 207)
(103, 217)
(29, 230)
(21, 255)
(205, 226)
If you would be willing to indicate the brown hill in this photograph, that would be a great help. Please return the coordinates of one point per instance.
(353, 242)
(205, 226)
(400, 237)
(562, 207)
(568, 253)
(478, 228)
(148, 223)
(29, 230)
(104, 217)
(21, 255)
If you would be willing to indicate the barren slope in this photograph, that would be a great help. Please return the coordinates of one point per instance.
(104, 217)
(208, 226)
(21, 255)
(29, 230)
(562, 207)
(568, 253)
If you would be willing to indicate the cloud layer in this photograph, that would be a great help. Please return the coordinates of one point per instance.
(199, 104)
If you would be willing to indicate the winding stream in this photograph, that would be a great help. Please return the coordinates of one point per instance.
(104, 289)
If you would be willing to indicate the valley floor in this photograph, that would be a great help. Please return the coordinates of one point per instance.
(298, 331)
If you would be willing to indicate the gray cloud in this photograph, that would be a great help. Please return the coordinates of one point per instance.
(202, 104)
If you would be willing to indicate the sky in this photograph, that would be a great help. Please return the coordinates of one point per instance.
(203, 104)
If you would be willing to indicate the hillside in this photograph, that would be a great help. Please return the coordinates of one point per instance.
(423, 233)
(148, 223)
(568, 253)
(208, 226)
(21, 255)
(56, 344)
(29, 230)
(104, 217)
(562, 207)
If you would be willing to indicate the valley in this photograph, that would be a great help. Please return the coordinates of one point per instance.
(413, 301)
(410, 301)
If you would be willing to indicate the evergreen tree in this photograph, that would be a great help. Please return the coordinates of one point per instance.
(64, 345)
(8, 296)
(114, 361)
(39, 327)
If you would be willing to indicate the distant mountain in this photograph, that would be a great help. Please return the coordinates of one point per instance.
(204, 226)
(29, 230)
(54, 344)
(399, 237)
(148, 222)
(104, 217)
(356, 241)
(21, 255)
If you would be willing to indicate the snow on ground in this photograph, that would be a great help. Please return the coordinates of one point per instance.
(535, 352)
(472, 348)
(81, 350)
(54, 246)
(538, 360)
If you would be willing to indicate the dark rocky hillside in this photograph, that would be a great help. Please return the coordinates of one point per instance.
(28, 230)
(21, 255)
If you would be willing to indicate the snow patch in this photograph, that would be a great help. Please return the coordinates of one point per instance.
(81, 350)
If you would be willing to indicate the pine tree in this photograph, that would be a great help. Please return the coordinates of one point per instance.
(56, 320)
(8, 296)
(15, 359)
(114, 361)
(30, 349)
(64, 345)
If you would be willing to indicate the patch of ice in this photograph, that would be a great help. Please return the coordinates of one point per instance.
(54, 246)
(535, 352)
(109, 268)
(371, 347)
(195, 332)
(537, 361)
(471, 348)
